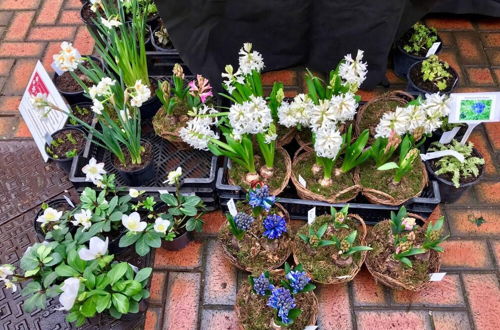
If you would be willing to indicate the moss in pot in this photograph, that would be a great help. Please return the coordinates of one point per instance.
(455, 177)
(431, 76)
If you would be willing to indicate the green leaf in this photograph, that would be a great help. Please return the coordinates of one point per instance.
(189, 211)
(31, 288)
(56, 258)
(406, 262)
(120, 302)
(89, 278)
(129, 239)
(143, 274)
(113, 312)
(53, 291)
(102, 302)
(294, 313)
(116, 216)
(37, 300)
(309, 287)
(326, 243)
(355, 249)
(32, 272)
(192, 201)
(132, 288)
(152, 239)
(117, 271)
(169, 199)
(75, 262)
(388, 166)
(88, 308)
(141, 247)
(322, 230)
(64, 270)
(49, 279)
(133, 307)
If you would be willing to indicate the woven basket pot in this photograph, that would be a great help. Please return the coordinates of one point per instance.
(304, 144)
(160, 125)
(236, 263)
(245, 290)
(286, 179)
(286, 138)
(305, 193)
(434, 260)
(400, 97)
(355, 270)
(375, 196)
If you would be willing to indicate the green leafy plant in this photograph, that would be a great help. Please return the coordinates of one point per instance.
(452, 166)
(346, 246)
(382, 149)
(433, 235)
(339, 217)
(421, 39)
(436, 71)
(407, 158)
(314, 239)
(355, 153)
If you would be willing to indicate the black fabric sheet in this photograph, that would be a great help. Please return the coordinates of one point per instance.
(482, 7)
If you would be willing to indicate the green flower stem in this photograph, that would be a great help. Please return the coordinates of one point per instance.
(327, 167)
(268, 150)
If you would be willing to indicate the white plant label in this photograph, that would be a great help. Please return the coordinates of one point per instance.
(311, 327)
(436, 277)
(439, 154)
(70, 203)
(434, 48)
(163, 192)
(232, 207)
(302, 181)
(41, 128)
(311, 215)
(474, 108)
(189, 194)
(449, 135)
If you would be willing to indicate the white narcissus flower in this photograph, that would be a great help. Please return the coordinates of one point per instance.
(111, 23)
(344, 107)
(96, 4)
(41, 104)
(82, 218)
(134, 193)
(93, 171)
(68, 59)
(161, 225)
(353, 71)
(133, 222)
(70, 292)
(97, 248)
(174, 176)
(49, 215)
(97, 106)
(328, 141)
(140, 95)
(250, 60)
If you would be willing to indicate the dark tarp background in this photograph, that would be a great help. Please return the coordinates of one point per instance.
(314, 33)
(483, 7)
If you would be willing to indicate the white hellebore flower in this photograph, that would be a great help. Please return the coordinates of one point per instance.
(93, 171)
(9, 284)
(133, 222)
(49, 215)
(6, 270)
(70, 292)
(97, 248)
(134, 193)
(82, 218)
(174, 176)
(161, 225)
(328, 141)
(111, 23)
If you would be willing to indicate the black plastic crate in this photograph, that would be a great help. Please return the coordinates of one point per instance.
(298, 208)
(162, 63)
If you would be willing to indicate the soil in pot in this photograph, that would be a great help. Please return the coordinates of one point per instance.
(321, 262)
(67, 84)
(146, 157)
(66, 144)
(381, 261)
(254, 314)
(255, 252)
(416, 76)
(448, 176)
(83, 112)
(339, 182)
(410, 185)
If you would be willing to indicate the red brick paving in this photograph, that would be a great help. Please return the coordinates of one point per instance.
(195, 287)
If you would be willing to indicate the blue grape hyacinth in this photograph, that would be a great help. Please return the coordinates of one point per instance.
(243, 221)
(259, 197)
(298, 280)
(282, 300)
(262, 284)
(478, 107)
(275, 226)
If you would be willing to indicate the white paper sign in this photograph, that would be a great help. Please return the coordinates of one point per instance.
(436, 277)
(449, 135)
(474, 108)
(232, 207)
(302, 181)
(42, 128)
(439, 154)
(311, 215)
(434, 48)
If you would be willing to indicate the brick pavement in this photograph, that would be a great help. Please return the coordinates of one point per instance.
(195, 288)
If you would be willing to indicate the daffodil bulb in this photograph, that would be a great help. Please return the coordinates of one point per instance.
(97, 248)
(133, 222)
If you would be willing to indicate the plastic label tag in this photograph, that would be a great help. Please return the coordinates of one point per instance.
(163, 192)
(302, 181)
(439, 154)
(311, 327)
(343, 277)
(188, 194)
(433, 49)
(436, 277)
(311, 215)
(232, 207)
(448, 136)
(69, 201)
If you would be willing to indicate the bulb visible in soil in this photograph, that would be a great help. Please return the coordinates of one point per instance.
(325, 182)
(251, 177)
(338, 172)
(316, 169)
(274, 326)
(266, 172)
(341, 261)
(394, 183)
(235, 243)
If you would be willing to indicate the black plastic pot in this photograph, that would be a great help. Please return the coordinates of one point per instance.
(402, 61)
(179, 242)
(81, 105)
(55, 203)
(141, 176)
(65, 164)
(412, 88)
(450, 194)
(113, 246)
(155, 44)
(151, 106)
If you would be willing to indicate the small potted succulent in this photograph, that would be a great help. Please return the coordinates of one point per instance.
(66, 144)
(404, 253)
(277, 300)
(257, 237)
(332, 249)
(413, 47)
(455, 177)
(431, 76)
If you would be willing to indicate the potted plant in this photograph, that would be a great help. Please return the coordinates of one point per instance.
(257, 237)
(82, 111)
(181, 102)
(277, 300)
(86, 280)
(51, 216)
(413, 47)
(455, 177)
(65, 144)
(161, 39)
(431, 76)
(295, 115)
(332, 249)
(404, 253)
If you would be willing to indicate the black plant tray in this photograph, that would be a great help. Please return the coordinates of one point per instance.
(298, 208)
(161, 63)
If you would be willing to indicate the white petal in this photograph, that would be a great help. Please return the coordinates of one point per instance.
(86, 254)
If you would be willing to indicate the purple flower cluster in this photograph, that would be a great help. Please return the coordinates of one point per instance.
(243, 221)
(261, 285)
(298, 280)
(259, 197)
(275, 226)
(282, 300)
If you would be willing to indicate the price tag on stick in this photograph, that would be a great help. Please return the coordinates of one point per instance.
(434, 48)
(311, 215)
(232, 207)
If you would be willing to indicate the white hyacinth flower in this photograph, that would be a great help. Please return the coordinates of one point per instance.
(328, 141)
(416, 117)
(93, 171)
(111, 23)
(436, 104)
(70, 292)
(83, 219)
(197, 133)
(344, 107)
(97, 248)
(250, 60)
(161, 225)
(97, 106)
(174, 176)
(393, 121)
(49, 215)
(322, 114)
(353, 71)
(133, 222)
(250, 117)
